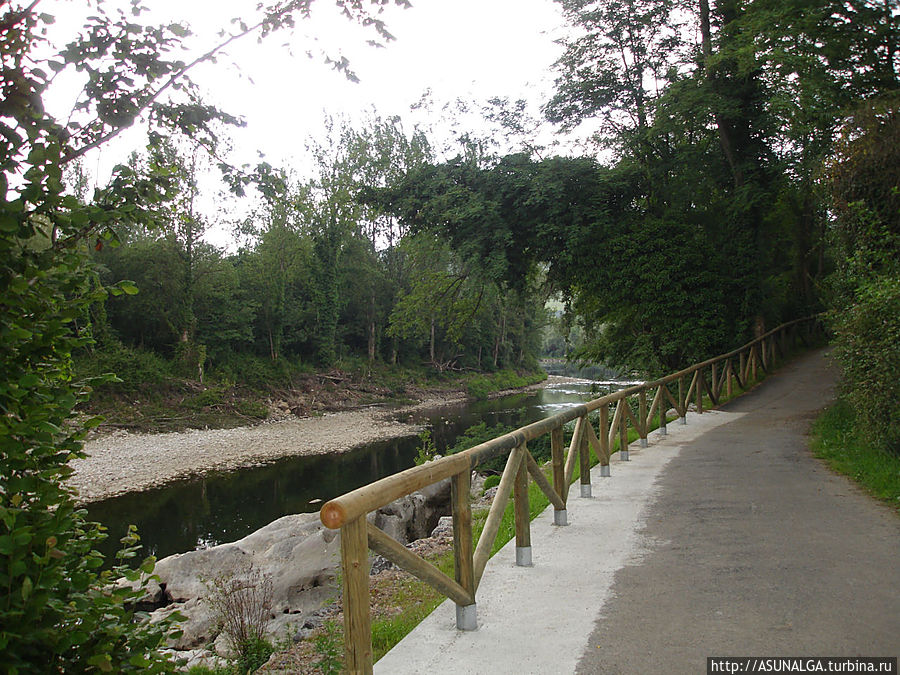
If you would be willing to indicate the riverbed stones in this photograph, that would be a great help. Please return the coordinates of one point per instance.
(296, 554)
(414, 516)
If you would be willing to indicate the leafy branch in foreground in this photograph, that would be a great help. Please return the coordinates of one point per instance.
(58, 612)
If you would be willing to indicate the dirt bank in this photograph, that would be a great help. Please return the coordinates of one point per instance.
(125, 462)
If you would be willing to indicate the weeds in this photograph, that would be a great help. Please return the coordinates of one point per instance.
(836, 441)
(329, 646)
(427, 450)
(242, 603)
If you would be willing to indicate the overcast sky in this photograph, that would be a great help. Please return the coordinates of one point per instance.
(468, 49)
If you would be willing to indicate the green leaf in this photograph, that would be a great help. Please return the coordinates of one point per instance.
(8, 222)
(27, 587)
(129, 287)
(101, 661)
(29, 380)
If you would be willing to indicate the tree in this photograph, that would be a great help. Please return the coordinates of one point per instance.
(57, 612)
(444, 296)
(276, 269)
(383, 153)
(614, 62)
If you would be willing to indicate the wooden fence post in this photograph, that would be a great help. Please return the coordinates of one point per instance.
(523, 515)
(714, 377)
(663, 407)
(623, 434)
(698, 390)
(742, 369)
(642, 412)
(357, 622)
(559, 473)
(585, 467)
(604, 440)
(682, 414)
(460, 485)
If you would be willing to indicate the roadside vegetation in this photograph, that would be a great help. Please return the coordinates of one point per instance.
(837, 441)
(742, 184)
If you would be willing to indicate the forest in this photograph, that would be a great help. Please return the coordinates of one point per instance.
(745, 171)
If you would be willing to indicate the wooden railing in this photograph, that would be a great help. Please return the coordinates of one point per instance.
(615, 413)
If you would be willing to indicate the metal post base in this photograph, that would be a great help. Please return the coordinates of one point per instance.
(623, 455)
(585, 490)
(662, 431)
(523, 556)
(643, 442)
(604, 471)
(466, 617)
(560, 517)
(682, 420)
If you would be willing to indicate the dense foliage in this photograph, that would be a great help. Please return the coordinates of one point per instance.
(865, 180)
(753, 151)
(58, 612)
(709, 224)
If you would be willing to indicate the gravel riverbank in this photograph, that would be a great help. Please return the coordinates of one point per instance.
(125, 462)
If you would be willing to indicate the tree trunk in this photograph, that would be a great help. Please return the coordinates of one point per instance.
(725, 131)
(372, 328)
(431, 348)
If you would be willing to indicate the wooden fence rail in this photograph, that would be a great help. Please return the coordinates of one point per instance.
(348, 512)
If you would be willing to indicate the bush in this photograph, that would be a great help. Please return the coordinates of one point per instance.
(867, 338)
(252, 409)
(481, 432)
(427, 450)
(258, 372)
(242, 603)
(481, 386)
(135, 369)
(491, 481)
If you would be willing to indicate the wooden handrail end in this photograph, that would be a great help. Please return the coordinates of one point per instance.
(333, 515)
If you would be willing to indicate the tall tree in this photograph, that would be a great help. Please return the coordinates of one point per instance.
(614, 63)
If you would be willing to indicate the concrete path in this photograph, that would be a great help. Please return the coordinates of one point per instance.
(724, 538)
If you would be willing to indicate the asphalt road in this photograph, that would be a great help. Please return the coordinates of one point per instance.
(755, 548)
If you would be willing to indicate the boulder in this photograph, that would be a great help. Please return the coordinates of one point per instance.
(415, 516)
(296, 553)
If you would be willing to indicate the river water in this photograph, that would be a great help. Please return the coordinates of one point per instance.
(222, 507)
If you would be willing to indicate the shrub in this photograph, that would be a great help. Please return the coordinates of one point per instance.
(252, 409)
(134, 369)
(491, 481)
(427, 450)
(242, 603)
(868, 332)
(481, 386)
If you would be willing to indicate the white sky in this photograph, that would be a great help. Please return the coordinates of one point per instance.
(469, 49)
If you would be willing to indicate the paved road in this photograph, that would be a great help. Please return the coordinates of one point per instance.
(760, 549)
(724, 538)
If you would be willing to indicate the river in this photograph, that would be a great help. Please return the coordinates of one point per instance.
(222, 507)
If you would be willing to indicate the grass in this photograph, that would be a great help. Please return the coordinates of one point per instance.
(482, 386)
(837, 443)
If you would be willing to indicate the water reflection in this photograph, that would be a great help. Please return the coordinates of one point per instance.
(224, 507)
